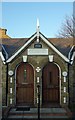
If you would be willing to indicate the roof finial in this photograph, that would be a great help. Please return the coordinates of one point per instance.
(38, 23)
(37, 30)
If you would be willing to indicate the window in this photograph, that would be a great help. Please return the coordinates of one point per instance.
(38, 45)
(50, 78)
(25, 72)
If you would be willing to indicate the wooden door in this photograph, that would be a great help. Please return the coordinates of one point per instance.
(50, 83)
(25, 84)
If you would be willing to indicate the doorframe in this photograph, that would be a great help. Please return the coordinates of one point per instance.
(59, 82)
(15, 80)
(59, 79)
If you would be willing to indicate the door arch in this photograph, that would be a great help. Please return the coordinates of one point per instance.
(24, 84)
(50, 84)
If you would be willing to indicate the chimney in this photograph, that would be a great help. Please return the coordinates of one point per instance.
(3, 33)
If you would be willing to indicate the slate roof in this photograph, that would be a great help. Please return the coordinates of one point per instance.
(62, 44)
(13, 45)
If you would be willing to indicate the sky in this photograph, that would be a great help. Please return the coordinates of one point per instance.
(20, 18)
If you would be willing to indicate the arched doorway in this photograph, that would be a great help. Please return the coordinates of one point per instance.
(24, 84)
(50, 84)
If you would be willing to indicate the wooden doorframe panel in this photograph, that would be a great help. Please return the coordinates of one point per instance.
(59, 70)
(16, 78)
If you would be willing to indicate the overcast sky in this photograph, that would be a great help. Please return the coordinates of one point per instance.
(19, 18)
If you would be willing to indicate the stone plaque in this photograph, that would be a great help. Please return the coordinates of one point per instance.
(37, 51)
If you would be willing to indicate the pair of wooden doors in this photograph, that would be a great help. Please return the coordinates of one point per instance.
(25, 84)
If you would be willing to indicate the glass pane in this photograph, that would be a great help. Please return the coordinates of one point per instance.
(50, 78)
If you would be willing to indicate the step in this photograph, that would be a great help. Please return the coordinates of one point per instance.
(45, 113)
(35, 117)
(42, 114)
(42, 110)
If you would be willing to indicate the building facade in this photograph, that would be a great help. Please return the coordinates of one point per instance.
(38, 61)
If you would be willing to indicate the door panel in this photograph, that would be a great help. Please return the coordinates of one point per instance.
(50, 83)
(25, 84)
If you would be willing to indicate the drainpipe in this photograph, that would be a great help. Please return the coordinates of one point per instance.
(6, 82)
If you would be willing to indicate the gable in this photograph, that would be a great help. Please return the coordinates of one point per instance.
(14, 46)
(45, 40)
